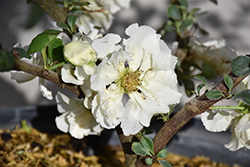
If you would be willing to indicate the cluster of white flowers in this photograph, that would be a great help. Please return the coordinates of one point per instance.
(238, 120)
(133, 81)
(99, 13)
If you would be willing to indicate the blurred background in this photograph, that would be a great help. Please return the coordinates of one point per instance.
(230, 19)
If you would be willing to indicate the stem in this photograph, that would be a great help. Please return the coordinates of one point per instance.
(39, 71)
(227, 107)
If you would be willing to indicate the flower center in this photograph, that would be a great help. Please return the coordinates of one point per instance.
(131, 80)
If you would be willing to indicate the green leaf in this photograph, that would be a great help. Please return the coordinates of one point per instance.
(186, 23)
(42, 40)
(174, 12)
(55, 50)
(202, 79)
(241, 65)
(149, 161)
(199, 87)
(214, 94)
(148, 143)
(139, 149)
(25, 126)
(64, 26)
(229, 82)
(184, 3)
(6, 61)
(162, 154)
(35, 15)
(214, 1)
(243, 96)
(169, 28)
(189, 87)
(22, 52)
(147, 131)
(208, 71)
(164, 163)
(71, 21)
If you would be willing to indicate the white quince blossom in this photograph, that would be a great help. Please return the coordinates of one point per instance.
(99, 13)
(213, 52)
(75, 118)
(135, 84)
(221, 120)
(22, 77)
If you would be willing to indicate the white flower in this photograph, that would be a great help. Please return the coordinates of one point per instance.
(142, 76)
(22, 77)
(99, 13)
(213, 52)
(75, 118)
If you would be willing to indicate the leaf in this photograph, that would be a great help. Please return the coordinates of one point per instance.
(241, 65)
(169, 28)
(162, 154)
(147, 131)
(6, 61)
(214, 94)
(189, 87)
(71, 21)
(208, 71)
(147, 143)
(22, 52)
(55, 50)
(25, 126)
(139, 149)
(64, 26)
(42, 40)
(243, 96)
(202, 79)
(214, 1)
(149, 161)
(164, 163)
(229, 82)
(35, 15)
(174, 12)
(199, 87)
(184, 3)
(186, 23)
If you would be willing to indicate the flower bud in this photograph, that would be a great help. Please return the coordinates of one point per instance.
(79, 53)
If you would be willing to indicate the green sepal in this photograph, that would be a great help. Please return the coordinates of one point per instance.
(42, 40)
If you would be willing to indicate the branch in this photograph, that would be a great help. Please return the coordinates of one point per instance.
(192, 108)
(39, 71)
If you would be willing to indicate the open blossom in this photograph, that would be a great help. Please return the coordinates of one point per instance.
(135, 84)
(75, 118)
(99, 13)
(22, 77)
(238, 120)
(215, 53)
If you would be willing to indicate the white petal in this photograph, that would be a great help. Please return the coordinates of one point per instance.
(106, 45)
(244, 123)
(62, 103)
(107, 106)
(80, 73)
(45, 92)
(216, 122)
(89, 69)
(105, 75)
(21, 76)
(67, 73)
(62, 122)
(235, 142)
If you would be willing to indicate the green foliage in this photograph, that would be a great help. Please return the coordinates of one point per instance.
(214, 1)
(42, 40)
(229, 82)
(148, 144)
(25, 126)
(164, 163)
(139, 149)
(162, 154)
(55, 50)
(174, 12)
(64, 26)
(22, 52)
(244, 96)
(241, 65)
(189, 86)
(6, 61)
(214, 95)
(184, 3)
(71, 21)
(35, 16)
(149, 161)
(208, 71)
